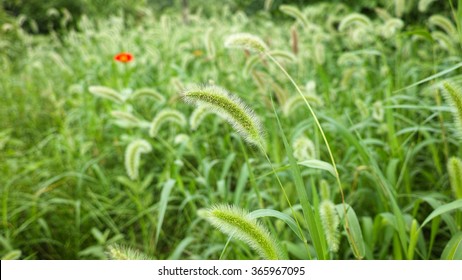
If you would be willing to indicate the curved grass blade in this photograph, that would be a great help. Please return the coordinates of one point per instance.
(279, 215)
(453, 250)
(442, 210)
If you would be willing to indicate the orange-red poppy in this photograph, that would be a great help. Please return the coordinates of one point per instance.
(123, 57)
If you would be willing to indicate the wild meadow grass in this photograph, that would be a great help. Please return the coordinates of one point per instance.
(321, 136)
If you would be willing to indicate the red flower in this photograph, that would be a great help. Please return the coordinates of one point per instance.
(123, 57)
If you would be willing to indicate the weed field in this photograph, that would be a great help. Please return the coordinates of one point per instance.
(314, 131)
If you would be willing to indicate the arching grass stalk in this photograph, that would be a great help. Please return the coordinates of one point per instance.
(326, 142)
(219, 101)
(254, 43)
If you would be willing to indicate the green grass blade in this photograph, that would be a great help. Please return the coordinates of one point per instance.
(318, 164)
(276, 214)
(453, 250)
(164, 197)
(442, 210)
(314, 229)
(355, 238)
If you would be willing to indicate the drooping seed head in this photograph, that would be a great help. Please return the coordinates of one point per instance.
(354, 19)
(132, 156)
(303, 148)
(237, 223)
(378, 112)
(148, 92)
(166, 115)
(126, 119)
(107, 93)
(246, 41)
(197, 116)
(229, 107)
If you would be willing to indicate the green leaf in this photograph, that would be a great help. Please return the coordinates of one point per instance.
(355, 238)
(180, 248)
(164, 197)
(453, 250)
(318, 164)
(12, 255)
(276, 214)
(442, 210)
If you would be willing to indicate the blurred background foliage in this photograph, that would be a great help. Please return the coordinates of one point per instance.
(39, 16)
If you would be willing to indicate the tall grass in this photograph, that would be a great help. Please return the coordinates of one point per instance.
(374, 131)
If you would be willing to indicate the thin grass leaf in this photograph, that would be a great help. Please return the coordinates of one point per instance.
(356, 237)
(176, 254)
(163, 202)
(453, 250)
(318, 164)
(12, 255)
(455, 205)
(279, 215)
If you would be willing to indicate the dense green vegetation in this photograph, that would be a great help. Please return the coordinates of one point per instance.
(360, 108)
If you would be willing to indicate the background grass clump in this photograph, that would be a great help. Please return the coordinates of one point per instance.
(373, 72)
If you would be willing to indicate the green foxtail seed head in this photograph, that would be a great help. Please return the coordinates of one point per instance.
(362, 108)
(424, 4)
(295, 13)
(378, 111)
(453, 96)
(246, 41)
(126, 120)
(303, 148)
(353, 19)
(324, 190)
(197, 116)
(118, 252)
(443, 40)
(319, 53)
(444, 23)
(229, 107)
(400, 5)
(391, 27)
(107, 93)
(132, 156)
(236, 222)
(296, 101)
(455, 176)
(148, 92)
(166, 115)
(330, 223)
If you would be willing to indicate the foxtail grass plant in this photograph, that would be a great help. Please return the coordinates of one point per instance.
(164, 116)
(107, 93)
(122, 253)
(240, 116)
(453, 96)
(237, 223)
(132, 156)
(455, 176)
(330, 223)
(230, 108)
(246, 41)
